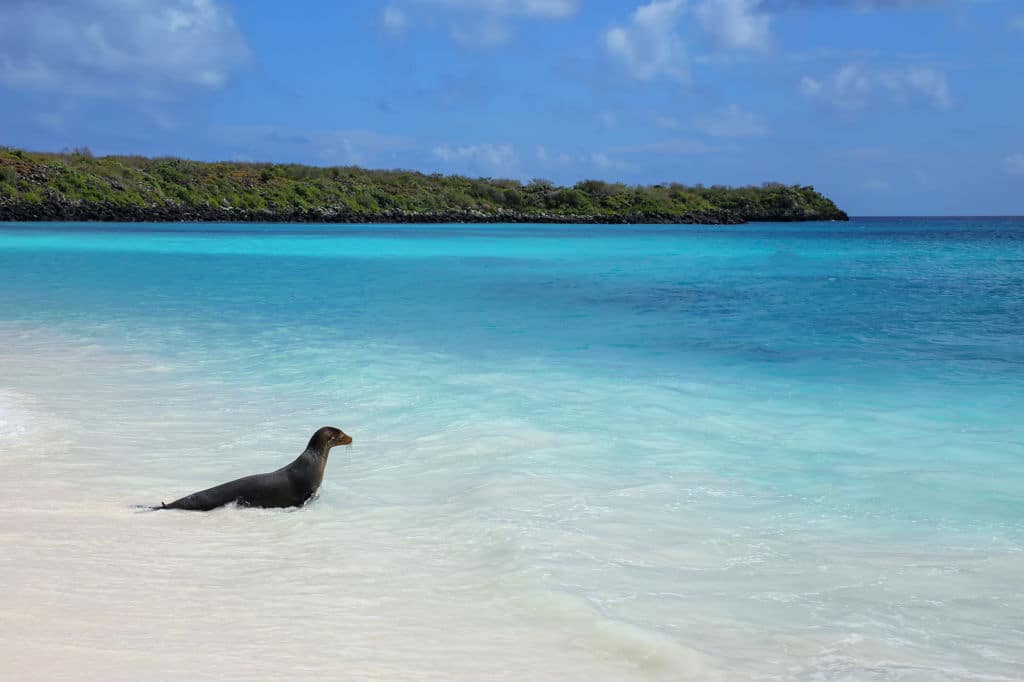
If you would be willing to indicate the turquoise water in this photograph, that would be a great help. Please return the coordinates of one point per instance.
(766, 451)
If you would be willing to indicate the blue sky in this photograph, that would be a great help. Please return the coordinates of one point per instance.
(888, 106)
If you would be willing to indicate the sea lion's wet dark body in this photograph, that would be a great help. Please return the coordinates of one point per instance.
(289, 486)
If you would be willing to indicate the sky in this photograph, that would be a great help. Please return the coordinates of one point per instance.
(890, 107)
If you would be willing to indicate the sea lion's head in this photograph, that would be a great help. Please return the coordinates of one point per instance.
(326, 438)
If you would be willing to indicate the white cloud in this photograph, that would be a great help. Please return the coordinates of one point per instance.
(652, 44)
(142, 49)
(733, 121)
(545, 156)
(1014, 164)
(601, 160)
(543, 9)
(929, 82)
(496, 156)
(649, 45)
(485, 32)
(332, 147)
(859, 5)
(394, 19)
(853, 86)
(481, 23)
(811, 86)
(735, 24)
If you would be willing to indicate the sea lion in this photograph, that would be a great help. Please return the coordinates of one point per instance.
(289, 486)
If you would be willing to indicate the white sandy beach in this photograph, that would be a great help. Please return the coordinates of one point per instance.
(424, 558)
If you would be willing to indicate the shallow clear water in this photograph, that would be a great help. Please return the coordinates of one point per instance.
(755, 452)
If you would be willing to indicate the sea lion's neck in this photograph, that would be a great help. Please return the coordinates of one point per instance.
(316, 461)
(316, 453)
(311, 459)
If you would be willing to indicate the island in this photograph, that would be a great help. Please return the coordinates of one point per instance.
(76, 186)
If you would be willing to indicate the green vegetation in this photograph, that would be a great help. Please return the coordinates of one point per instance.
(74, 183)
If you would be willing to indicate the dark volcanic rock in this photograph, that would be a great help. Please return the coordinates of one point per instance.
(791, 216)
(59, 210)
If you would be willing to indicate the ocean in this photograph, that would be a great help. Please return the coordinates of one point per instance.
(764, 452)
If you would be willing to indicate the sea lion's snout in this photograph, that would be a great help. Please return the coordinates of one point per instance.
(326, 438)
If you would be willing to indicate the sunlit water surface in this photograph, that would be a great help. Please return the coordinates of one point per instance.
(581, 453)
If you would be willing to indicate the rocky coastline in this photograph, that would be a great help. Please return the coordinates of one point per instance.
(82, 211)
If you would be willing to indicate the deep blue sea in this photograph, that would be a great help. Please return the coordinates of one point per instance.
(627, 452)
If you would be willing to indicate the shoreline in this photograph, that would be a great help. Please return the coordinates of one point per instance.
(66, 211)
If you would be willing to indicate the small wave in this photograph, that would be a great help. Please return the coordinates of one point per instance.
(16, 422)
